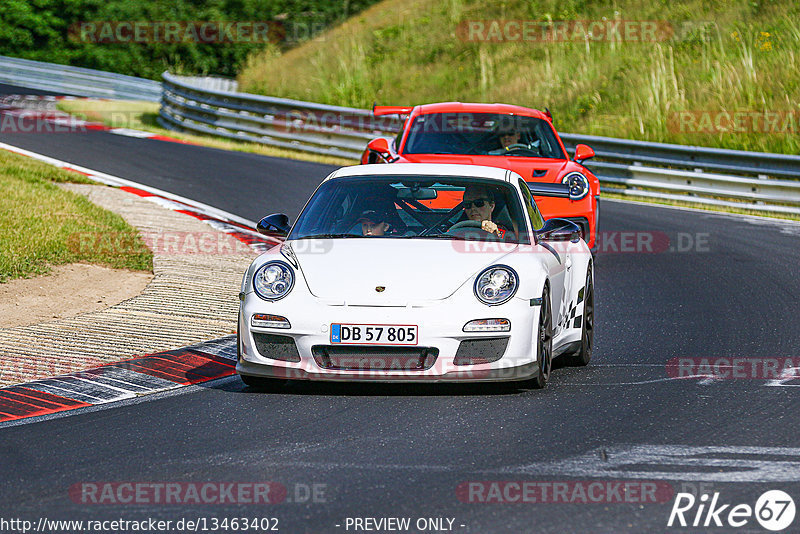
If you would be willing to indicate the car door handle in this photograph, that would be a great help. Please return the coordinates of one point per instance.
(568, 263)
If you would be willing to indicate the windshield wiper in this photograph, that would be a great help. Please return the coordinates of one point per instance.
(514, 151)
(439, 236)
(328, 236)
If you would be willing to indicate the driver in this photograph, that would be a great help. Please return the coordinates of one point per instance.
(509, 138)
(478, 204)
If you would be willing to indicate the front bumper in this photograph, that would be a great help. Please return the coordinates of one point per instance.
(439, 324)
(510, 374)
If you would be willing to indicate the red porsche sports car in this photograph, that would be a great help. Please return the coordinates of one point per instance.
(496, 135)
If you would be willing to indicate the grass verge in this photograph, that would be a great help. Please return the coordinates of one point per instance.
(143, 116)
(40, 223)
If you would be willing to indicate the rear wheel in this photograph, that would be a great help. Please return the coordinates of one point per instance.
(584, 353)
(545, 342)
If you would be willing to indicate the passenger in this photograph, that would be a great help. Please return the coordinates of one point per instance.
(373, 223)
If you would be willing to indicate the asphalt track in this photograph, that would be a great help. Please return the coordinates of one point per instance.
(403, 451)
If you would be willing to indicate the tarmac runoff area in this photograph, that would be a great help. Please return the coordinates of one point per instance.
(192, 297)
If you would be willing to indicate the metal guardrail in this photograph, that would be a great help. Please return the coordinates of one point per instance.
(209, 105)
(755, 180)
(279, 122)
(77, 81)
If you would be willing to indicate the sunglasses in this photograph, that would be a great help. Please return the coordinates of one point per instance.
(478, 203)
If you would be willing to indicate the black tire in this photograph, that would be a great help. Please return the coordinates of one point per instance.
(256, 382)
(262, 383)
(545, 341)
(584, 353)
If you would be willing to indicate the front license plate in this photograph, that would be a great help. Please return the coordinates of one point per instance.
(374, 334)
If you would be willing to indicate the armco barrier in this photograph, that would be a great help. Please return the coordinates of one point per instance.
(756, 180)
(77, 81)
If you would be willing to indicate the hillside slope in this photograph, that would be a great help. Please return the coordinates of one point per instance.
(707, 59)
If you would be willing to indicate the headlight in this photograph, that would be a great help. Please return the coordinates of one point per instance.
(578, 185)
(496, 285)
(273, 280)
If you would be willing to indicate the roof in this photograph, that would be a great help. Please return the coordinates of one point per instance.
(423, 169)
(467, 107)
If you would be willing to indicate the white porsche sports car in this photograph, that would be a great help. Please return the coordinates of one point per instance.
(418, 272)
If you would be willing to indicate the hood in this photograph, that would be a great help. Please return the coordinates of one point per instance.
(531, 169)
(411, 270)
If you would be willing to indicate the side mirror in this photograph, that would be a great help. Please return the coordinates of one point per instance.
(380, 146)
(582, 153)
(560, 230)
(275, 225)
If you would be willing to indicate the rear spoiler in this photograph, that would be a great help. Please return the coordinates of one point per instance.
(572, 192)
(391, 110)
(539, 189)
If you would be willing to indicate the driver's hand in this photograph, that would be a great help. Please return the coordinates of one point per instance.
(489, 226)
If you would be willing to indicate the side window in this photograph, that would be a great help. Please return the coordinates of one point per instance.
(399, 137)
(537, 221)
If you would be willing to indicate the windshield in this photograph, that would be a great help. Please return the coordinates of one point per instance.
(421, 207)
(483, 134)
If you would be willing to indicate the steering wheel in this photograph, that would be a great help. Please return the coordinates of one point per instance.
(517, 145)
(465, 224)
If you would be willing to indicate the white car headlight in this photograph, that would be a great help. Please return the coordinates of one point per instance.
(496, 285)
(273, 280)
(578, 185)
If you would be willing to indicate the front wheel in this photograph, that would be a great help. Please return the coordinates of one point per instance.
(262, 383)
(584, 353)
(545, 342)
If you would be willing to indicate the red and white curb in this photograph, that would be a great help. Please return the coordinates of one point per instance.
(239, 227)
(39, 114)
(118, 381)
(142, 375)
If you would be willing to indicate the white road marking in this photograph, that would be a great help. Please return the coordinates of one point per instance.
(131, 133)
(789, 374)
(704, 381)
(726, 463)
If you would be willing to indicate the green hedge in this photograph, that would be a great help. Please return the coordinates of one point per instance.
(48, 30)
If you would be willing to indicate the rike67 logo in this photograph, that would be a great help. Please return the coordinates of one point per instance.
(774, 510)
